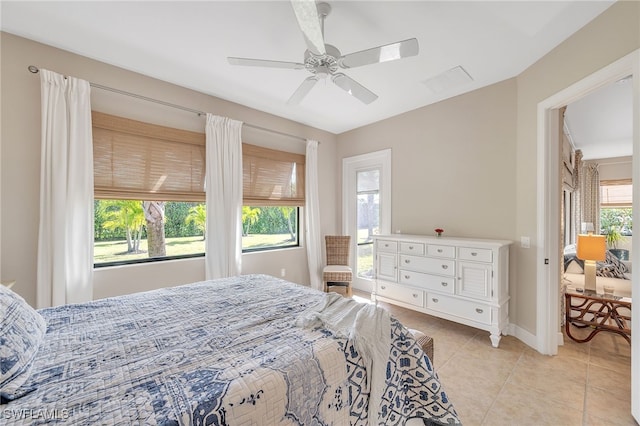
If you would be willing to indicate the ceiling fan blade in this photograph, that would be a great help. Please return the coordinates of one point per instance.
(309, 22)
(354, 88)
(264, 63)
(389, 52)
(302, 90)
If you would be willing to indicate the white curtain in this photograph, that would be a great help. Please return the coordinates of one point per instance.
(312, 216)
(223, 186)
(65, 236)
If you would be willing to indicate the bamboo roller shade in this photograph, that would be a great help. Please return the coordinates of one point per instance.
(143, 161)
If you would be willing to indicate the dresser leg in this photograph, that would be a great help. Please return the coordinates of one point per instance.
(495, 339)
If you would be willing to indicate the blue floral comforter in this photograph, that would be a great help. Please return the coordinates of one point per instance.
(215, 353)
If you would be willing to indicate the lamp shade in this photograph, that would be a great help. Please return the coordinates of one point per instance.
(592, 247)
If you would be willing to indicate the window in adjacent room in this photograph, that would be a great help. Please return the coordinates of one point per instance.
(616, 208)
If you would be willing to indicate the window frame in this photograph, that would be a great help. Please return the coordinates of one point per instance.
(126, 126)
(297, 243)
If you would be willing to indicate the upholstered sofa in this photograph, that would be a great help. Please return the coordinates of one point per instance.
(612, 272)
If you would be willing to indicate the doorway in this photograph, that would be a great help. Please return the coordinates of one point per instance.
(548, 211)
(366, 208)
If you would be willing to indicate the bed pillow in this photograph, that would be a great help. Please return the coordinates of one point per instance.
(612, 267)
(22, 331)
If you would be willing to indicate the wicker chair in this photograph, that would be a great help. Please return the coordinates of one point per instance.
(337, 271)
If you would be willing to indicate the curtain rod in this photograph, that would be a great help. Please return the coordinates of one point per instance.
(34, 69)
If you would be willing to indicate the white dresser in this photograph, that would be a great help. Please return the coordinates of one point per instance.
(459, 279)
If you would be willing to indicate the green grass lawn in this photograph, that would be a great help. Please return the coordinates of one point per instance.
(114, 251)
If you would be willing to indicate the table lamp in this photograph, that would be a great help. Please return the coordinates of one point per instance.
(590, 249)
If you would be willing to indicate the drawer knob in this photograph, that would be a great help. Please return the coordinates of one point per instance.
(386, 245)
(478, 310)
(383, 287)
(407, 261)
(439, 250)
(445, 266)
(406, 277)
(444, 284)
(415, 295)
(410, 247)
(473, 253)
(434, 300)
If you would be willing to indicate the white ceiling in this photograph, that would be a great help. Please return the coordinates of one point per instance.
(187, 43)
(601, 123)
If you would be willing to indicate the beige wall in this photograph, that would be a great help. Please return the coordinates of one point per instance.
(453, 164)
(20, 164)
(614, 168)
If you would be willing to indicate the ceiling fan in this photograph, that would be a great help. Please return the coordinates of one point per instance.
(324, 60)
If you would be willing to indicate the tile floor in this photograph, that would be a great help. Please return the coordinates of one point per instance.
(585, 384)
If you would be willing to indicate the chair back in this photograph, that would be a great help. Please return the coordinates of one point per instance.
(338, 248)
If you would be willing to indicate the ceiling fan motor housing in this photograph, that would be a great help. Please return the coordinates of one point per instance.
(320, 64)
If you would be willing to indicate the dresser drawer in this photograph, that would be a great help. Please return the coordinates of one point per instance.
(387, 246)
(401, 293)
(412, 248)
(428, 264)
(428, 282)
(460, 308)
(475, 254)
(441, 251)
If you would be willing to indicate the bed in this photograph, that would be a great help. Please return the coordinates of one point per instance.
(252, 349)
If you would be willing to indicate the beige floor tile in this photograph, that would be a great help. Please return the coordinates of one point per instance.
(485, 369)
(509, 350)
(613, 381)
(611, 343)
(585, 384)
(519, 405)
(571, 349)
(602, 420)
(610, 360)
(602, 404)
(550, 385)
(472, 399)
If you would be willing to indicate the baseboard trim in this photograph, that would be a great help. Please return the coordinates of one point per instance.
(523, 335)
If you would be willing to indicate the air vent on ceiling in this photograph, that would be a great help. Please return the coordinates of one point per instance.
(455, 77)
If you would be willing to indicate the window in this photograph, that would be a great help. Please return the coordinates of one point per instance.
(273, 192)
(269, 227)
(616, 193)
(616, 201)
(368, 219)
(149, 193)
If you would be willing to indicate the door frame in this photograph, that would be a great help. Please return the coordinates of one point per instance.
(548, 210)
(350, 167)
